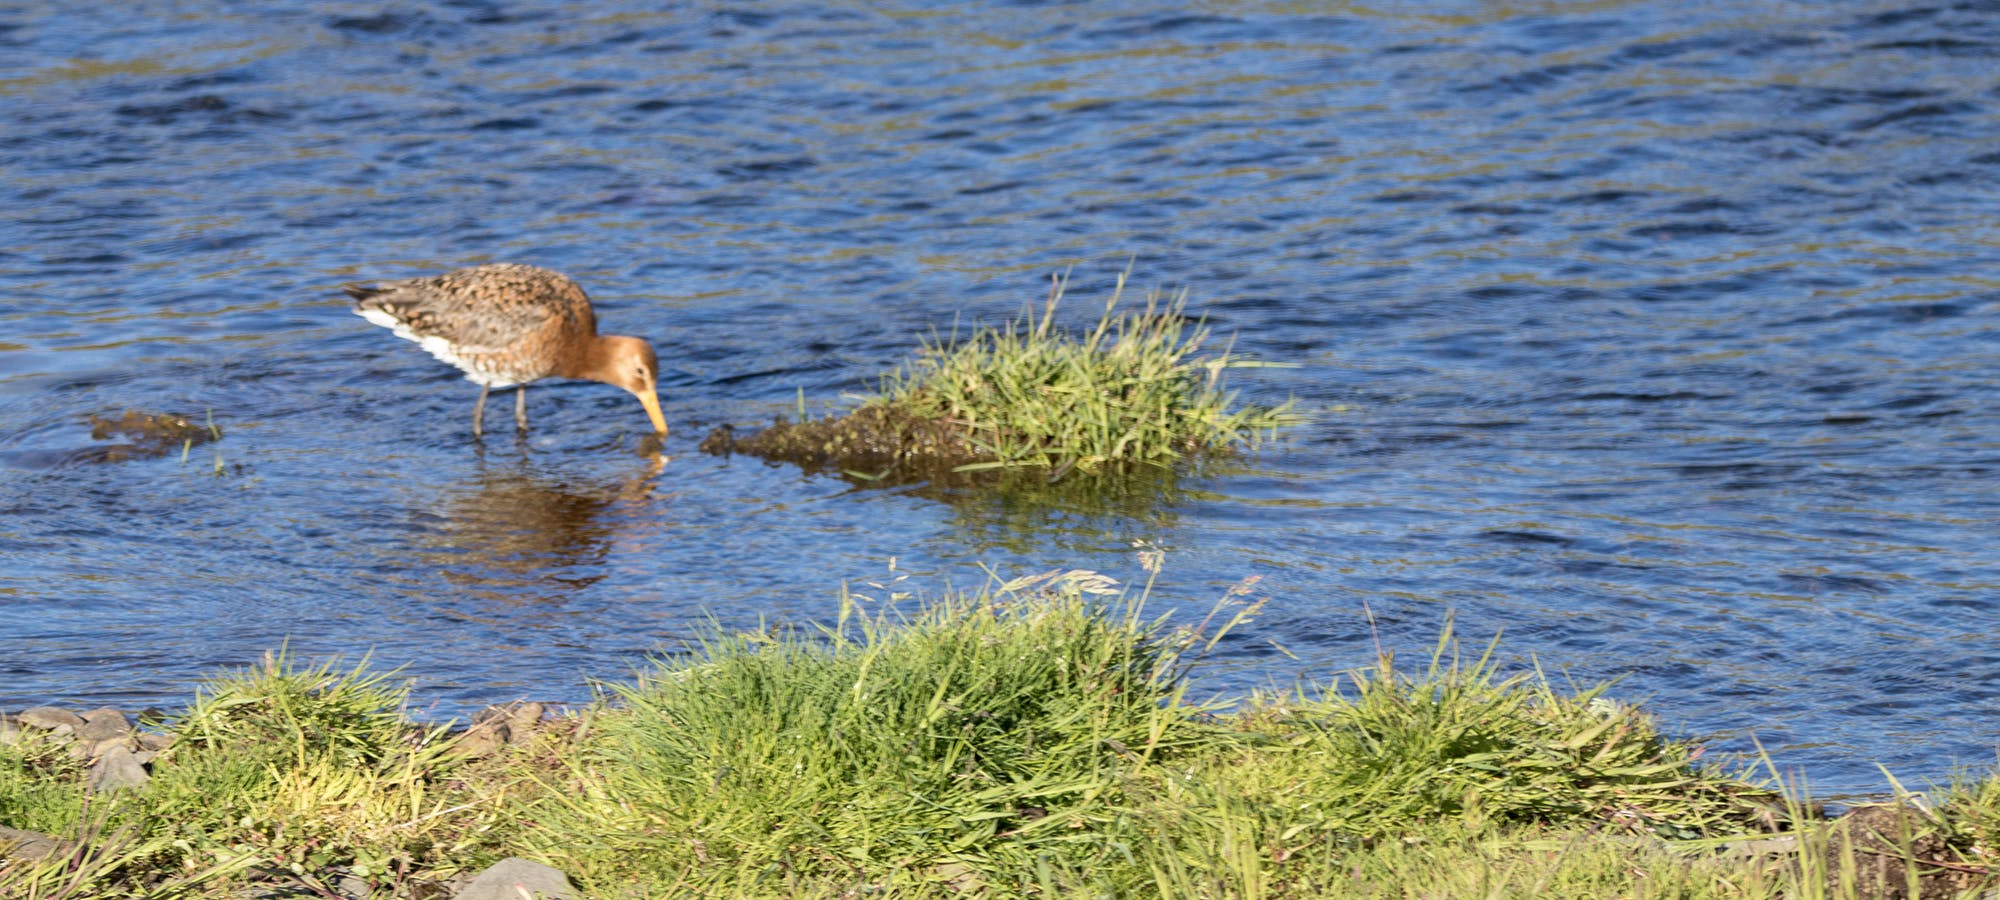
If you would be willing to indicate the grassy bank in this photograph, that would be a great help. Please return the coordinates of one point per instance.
(1035, 739)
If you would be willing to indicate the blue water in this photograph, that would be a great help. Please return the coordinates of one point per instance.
(1658, 338)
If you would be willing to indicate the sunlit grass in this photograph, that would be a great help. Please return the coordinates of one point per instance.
(972, 739)
(1135, 389)
(288, 773)
(1035, 738)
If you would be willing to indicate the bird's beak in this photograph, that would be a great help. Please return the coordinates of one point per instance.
(651, 401)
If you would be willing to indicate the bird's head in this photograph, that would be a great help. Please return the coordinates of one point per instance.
(629, 363)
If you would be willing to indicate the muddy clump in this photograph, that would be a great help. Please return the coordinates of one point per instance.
(142, 435)
(873, 443)
(1888, 849)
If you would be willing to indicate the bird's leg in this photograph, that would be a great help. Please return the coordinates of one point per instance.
(479, 410)
(521, 407)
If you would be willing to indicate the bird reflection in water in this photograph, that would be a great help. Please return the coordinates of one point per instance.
(517, 536)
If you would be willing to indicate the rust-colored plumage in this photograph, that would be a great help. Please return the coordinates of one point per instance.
(508, 324)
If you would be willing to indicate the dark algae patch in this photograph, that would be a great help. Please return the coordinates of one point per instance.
(873, 442)
(1139, 389)
(143, 435)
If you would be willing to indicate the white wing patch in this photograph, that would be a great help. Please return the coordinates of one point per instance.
(476, 370)
(386, 321)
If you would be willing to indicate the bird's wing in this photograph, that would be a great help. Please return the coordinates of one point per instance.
(476, 317)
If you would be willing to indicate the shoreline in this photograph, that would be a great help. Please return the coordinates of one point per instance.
(1028, 740)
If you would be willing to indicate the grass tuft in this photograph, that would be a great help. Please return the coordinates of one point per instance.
(1132, 390)
(1459, 742)
(971, 739)
(351, 717)
(280, 774)
(1137, 393)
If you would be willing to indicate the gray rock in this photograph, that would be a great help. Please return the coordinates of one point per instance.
(353, 888)
(153, 740)
(512, 722)
(116, 768)
(50, 718)
(523, 720)
(18, 844)
(483, 740)
(10, 731)
(99, 748)
(514, 878)
(499, 725)
(104, 724)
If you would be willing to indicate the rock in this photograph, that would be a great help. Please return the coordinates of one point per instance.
(154, 741)
(521, 716)
(514, 878)
(18, 844)
(523, 719)
(483, 740)
(102, 747)
(10, 731)
(499, 725)
(51, 718)
(116, 768)
(103, 724)
(353, 888)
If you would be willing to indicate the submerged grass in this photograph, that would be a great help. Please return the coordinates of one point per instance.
(1032, 739)
(1132, 390)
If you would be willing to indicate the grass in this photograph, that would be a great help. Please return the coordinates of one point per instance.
(1035, 738)
(1027, 405)
(278, 772)
(1135, 389)
(981, 737)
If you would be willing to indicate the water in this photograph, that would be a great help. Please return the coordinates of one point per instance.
(1660, 340)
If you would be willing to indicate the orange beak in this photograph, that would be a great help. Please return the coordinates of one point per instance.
(651, 401)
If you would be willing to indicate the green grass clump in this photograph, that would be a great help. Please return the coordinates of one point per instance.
(1449, 782)
(1969, 808)
(1459, 742)
(1133, 390)
(279, 773)
(1036, 739)
(311, 770)
(971, 742)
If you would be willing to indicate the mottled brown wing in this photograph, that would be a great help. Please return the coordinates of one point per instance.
(482, 310)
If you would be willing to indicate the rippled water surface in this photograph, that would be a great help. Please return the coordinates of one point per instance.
(1660, 338)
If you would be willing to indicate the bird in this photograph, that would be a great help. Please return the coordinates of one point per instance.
(507, 324)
